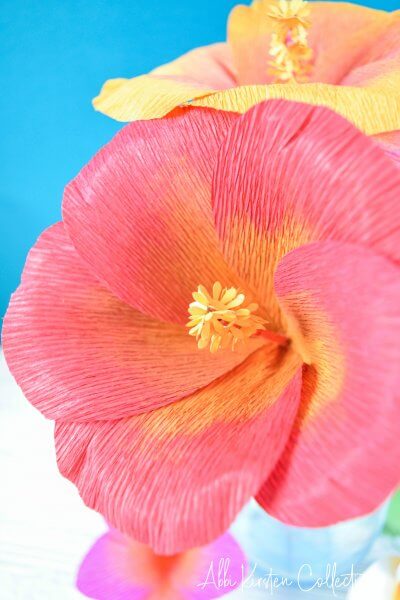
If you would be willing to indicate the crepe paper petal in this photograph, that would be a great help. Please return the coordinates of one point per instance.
(390, 143)
(192, 75)
(381, 58)
(208, 66)
(249, 35)
(384, 73)
(176, 478)
(145, 97)
(350, 33)
(378, 582)
(343, 456)
(373, 109)
(392, 525)
(80, 353)
(355, 71)
(140, 212)
(340, 34)
(119, 568)
(289, 174)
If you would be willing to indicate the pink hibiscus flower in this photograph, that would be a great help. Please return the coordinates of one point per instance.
(280, 229)
(119, 568)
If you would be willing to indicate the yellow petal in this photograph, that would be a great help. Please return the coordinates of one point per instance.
(197, 309)
(215, 343)
(201, 300)
(194, 330)
(240, 298)
(229, 295)
(197, 72)
(202, 343)
(144, 97)
(373, 109)
(217, 288)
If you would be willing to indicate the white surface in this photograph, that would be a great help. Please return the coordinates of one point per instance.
(45, 529)
(377, 583)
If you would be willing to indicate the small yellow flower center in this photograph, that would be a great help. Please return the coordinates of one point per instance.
(222, 318)
(291, 55)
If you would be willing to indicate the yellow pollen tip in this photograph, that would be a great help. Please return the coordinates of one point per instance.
(291, 56)
(222, 318)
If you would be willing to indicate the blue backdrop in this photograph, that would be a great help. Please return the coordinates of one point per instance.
(54, 56)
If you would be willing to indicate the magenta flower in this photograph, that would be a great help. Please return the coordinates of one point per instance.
(118, 568)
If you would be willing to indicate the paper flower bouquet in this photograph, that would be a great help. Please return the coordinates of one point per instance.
(217, 317)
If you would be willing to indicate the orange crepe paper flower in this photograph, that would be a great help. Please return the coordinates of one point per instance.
(343, 56)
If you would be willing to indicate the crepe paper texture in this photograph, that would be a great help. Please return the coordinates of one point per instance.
(303, 554)
(119, 568)
(380, 581)
(290, 204)
(354, 67)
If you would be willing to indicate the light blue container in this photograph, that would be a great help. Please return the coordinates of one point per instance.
(302, 554)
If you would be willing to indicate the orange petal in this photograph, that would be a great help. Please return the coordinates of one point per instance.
(249, 35)
(340, 34)
(152, 96)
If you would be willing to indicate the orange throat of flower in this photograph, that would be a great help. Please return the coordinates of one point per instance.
(291, 56)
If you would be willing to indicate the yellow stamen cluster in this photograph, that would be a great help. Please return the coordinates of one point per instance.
(289, 49)
(222, 318)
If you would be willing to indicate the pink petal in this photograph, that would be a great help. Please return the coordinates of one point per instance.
(176, 478)
(390, 143)
(209, 66)
(80, 353)
(343, 457)
(140, 212)
(379, 59)
(119, 568)
(104, 573)
(343, 37)
(289, 174)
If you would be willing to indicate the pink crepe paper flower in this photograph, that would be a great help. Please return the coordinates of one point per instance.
(295, 210)
(119, 568)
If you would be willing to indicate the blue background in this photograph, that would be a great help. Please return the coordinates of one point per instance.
(54, 56)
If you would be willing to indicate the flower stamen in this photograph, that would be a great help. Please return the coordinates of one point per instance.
(223, 318)
(289, 49)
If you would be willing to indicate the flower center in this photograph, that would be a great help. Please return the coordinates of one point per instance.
(222, 318)
(291, 55)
